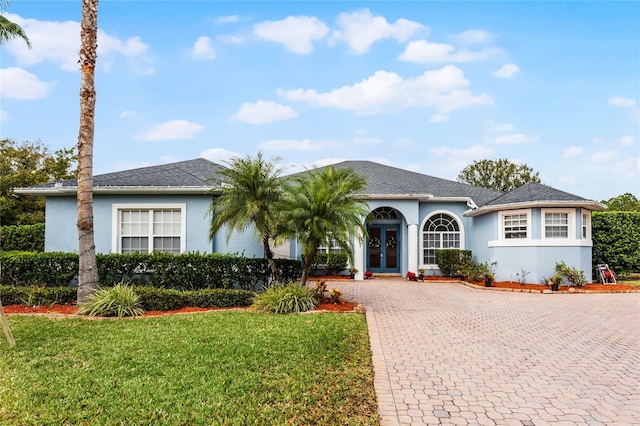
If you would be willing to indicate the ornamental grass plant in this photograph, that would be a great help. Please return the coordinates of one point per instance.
(285, 299)
(120, 300)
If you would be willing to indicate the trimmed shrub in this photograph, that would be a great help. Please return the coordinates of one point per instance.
(452, 262)
(22, 237)
(160, 299)
(120, 300)
(285, 299)
(616, 240)
(330, 263)
(190, 271)
(33, 296)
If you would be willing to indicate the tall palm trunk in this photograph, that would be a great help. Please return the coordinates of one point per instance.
(88, 270)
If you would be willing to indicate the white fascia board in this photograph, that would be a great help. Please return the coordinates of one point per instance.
(587, 204)
(420, 197)
(72, 190)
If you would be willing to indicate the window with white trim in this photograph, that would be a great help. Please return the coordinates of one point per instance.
(440, 231)
(586, 226)
(558, 224)
(332, 247)
(142, 229)
(515, 226)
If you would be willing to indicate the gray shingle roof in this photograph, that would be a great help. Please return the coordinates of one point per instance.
(387, 180)
(190, 173)
(534, 192)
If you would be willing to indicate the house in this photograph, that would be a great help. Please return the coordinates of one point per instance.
(165, 208)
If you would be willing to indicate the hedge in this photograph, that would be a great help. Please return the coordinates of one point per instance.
(191, 271)
(151, 299)
(22, 237)
(452, 262)
(616, 240)
(330, 263)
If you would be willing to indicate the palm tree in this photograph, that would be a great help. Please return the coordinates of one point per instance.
(10, 30)
(320, 205)
(88, 270)
(250, 191)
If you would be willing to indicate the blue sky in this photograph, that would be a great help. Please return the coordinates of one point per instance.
(424, 86)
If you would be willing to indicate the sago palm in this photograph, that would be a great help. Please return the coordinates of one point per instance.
(250, 191)
(320, 205)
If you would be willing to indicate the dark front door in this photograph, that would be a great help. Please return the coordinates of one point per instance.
(384, 249)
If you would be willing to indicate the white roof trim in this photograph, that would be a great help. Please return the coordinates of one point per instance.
(70, 190)
(589, 204)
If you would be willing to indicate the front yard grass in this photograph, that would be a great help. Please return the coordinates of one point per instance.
(222, 368)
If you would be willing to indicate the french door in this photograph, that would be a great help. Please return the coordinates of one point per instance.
(384, 249)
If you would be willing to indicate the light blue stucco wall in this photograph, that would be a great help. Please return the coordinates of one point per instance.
(535, 258)
(61, 233)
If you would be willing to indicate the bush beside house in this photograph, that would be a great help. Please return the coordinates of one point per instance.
(616, 240)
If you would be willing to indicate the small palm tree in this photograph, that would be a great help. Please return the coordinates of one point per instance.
(250, 191)
(320, 205)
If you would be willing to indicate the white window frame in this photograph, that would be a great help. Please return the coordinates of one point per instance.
(421, 236)
(116, 209)
(571, 224)
(334, 246)
(586, 225)
(503, 215)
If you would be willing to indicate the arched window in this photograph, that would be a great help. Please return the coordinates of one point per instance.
(440, 231)
(385, 213)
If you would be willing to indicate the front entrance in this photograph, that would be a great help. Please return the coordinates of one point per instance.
(384, 249)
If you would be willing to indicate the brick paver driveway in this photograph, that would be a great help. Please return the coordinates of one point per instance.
(449, 354)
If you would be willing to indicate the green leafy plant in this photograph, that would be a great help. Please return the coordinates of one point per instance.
(335, 296)
(120, 300)
(318, 290)
(452, 262)
(284, 299)
(573, 275)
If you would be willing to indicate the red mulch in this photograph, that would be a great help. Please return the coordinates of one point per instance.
(342, 307)
(587, 287)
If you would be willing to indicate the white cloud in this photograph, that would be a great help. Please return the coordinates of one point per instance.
(494, 127)
(202, 49)
(230, 39)
(622, 102)
(473, 37)
(4, 116)
(443, 89)
(573, 151)
(62, 49)
(506, 71)
(424, 52)
(603, 156)
(20, 84)
(295, 32)
(627, 141)
(290, 145)
(438, 118)
(219, 155)
(262, 112)
(221, 20)
(360, 29)
(444, 159)
(511, 139)
(128, 113)
(172, 130)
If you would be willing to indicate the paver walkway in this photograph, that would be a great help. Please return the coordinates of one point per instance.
(449, 354)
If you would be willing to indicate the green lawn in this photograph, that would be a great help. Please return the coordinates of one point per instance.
(219, 368)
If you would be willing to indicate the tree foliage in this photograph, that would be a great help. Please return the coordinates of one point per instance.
(10, 30)
(616, 240)
(624, 202)
(320, 205)
(250, 192)
(500, 175)
(26, 164)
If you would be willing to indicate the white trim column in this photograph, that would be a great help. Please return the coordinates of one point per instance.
(358, 258)
(412, 245)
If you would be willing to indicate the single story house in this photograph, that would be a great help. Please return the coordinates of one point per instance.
(164, 208)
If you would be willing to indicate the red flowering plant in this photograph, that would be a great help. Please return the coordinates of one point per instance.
(368, 275)
(412, 276)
